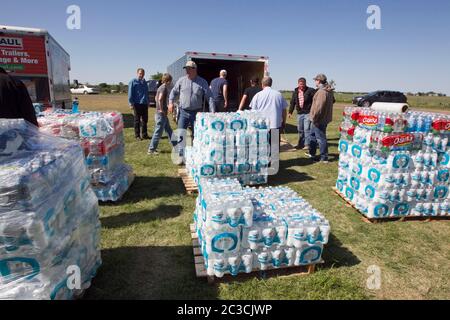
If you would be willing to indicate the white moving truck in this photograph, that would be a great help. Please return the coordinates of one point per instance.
(35, 58)
(240, 68)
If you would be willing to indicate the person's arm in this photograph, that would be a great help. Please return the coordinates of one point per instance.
(148, 94)
(174, 94)
(160, 98)
(293, 103)
(285, 107)
(241, 106)
(283, 125)
(317, 106)
(130, 93)
(225, 94)
(254, 103)
(209, 96)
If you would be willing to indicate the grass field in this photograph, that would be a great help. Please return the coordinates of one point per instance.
(147, 253)
(425, 103)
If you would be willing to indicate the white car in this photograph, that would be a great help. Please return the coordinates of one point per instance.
(84, 89)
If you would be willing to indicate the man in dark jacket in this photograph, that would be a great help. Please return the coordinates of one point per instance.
(15, 102)
(301, 101)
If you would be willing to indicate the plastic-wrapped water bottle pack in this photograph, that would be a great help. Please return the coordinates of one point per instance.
(230, 145)
(101, 137)
(247, 229)
(121, 180)
(389, 170)
(49, 215)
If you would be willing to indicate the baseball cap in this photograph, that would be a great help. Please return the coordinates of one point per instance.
(321, 77)
(190, 64)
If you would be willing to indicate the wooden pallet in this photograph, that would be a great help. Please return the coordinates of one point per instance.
(387, 219)
(200, 270)
(189, 183)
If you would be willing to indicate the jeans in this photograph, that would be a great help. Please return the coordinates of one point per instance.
(304, 130)
(140, 113)
(161, 124)
(319, 137)
(186, 118)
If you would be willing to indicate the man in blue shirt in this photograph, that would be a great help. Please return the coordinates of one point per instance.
(193, 92)
(139, 101)
(219, 89)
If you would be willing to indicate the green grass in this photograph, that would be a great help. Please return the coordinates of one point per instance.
(438, 103)
(147, 253)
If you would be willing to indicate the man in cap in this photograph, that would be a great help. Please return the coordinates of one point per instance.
(219, 89)
(193, 92)
(321, 115)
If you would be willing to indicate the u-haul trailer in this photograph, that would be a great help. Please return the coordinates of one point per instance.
(35, 58)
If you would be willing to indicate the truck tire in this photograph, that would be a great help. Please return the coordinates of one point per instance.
(85, 93)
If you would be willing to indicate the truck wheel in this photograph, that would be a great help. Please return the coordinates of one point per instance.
(366, 104)
(85, 93)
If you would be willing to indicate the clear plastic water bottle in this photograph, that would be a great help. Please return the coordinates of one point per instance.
(75, 105)
(420, 123)
(427, 123)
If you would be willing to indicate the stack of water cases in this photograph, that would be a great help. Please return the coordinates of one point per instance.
(101, 137)
(230, 145)
(49, 216)
(244, 230)
(395, 164)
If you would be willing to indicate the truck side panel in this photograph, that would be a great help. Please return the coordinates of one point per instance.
(23, 54)
(176, 69)
(59, 68)
(37, 60)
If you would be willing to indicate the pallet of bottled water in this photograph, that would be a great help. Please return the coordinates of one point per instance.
(49, 216)
(101, 137)
(230, 145)
(242, 230)
(395, 164)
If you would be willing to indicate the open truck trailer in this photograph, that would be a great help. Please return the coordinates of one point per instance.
(35, 58)
(240, 69)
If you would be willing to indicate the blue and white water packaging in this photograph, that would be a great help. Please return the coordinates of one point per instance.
(271, 237)
(225, 241)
